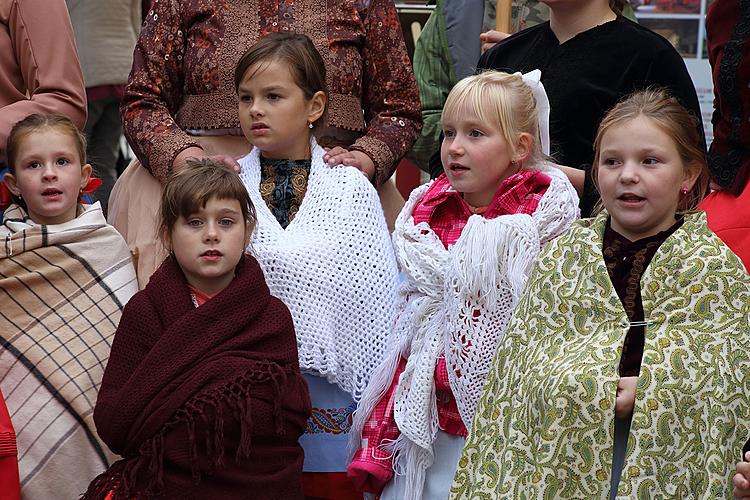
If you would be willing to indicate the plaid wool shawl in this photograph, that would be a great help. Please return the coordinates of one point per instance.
(62, 290)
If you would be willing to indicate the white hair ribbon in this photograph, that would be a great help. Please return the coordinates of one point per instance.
(534, 81)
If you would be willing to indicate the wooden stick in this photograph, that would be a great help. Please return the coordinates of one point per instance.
(502, 16)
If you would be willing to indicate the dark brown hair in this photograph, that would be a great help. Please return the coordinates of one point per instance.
(38, 121)
(673, 119)
(297, 51)
(189, 189)
(617, 6)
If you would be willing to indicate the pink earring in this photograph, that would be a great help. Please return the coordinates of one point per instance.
(684, 190)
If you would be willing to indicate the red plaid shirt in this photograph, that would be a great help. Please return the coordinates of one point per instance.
(446, 212)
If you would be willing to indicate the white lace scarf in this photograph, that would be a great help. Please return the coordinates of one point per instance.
(333, 266)
(457, 302)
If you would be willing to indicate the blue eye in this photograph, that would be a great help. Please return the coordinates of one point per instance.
(194, 223)
(476, 133)
(226, 222)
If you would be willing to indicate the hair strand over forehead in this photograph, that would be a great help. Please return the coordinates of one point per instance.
(188, 190)
(37, 122)
(498, 99)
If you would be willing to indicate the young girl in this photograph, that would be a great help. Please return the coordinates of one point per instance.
(465, 243)
(202, 394)
(65, 276)
(624, 369)
(322, 242)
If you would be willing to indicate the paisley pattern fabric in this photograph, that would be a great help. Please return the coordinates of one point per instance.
(545, 423)
(331, 420)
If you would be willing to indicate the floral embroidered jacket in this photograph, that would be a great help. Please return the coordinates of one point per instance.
(544, 426)
(183, 74)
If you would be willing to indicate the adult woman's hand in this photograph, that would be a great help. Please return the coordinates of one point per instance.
(354, 158)
(625, 396)
(491, 37)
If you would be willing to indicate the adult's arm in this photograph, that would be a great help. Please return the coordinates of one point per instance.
(435, 77)
(154, 91)
(44, 48)
(389, 92)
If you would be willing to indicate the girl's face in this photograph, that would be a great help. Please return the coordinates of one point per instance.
(209, 243)
(640, 177)
(274, 113)
(48, 175)
(477, 158)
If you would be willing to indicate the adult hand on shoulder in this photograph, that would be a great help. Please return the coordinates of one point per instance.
(196, 153)
(741, 480)
(356, 159)
(625, 396)
(490, 38)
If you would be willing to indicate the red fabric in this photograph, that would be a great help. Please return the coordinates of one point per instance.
(449, 418)
(729, 217)
(372, 467)
(328, 486)
(446, 212)
(200, 297)
(104, 91)
(203, 402)
(728, 46)
(10, 486)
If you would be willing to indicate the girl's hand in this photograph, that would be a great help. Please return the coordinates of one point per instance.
(195, 152)
(490, 38)
(625, 396)
(741, 480)
(357, 159)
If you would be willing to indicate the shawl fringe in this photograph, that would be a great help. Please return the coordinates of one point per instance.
(235, 396)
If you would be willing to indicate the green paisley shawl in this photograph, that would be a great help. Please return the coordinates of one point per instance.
(545, 424)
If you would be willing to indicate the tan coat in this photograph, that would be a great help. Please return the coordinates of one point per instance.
(106, 32)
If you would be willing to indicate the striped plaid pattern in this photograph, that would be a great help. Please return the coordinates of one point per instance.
(62, 290)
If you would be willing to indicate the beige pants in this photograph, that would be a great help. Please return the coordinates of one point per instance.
(134, 207)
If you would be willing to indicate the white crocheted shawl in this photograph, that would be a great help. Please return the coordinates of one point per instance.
(333, 266)
(455, 302)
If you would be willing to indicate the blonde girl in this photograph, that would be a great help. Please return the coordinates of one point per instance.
(465, 243)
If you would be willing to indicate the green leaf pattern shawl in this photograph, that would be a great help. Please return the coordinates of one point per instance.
(545, 424)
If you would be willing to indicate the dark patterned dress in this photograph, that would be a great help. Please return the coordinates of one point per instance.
(283, 184)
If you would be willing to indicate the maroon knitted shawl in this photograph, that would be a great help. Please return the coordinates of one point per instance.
(203, 402)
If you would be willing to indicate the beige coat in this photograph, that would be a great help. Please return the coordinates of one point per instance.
(106, 32)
